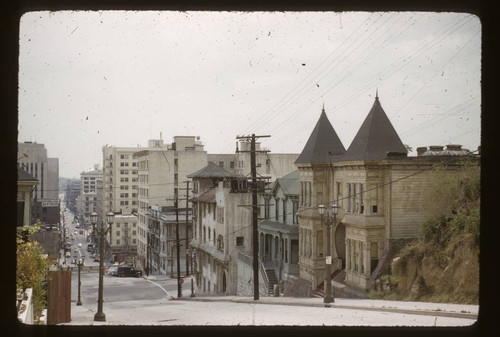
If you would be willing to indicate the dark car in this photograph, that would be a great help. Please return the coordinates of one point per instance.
(128, 271)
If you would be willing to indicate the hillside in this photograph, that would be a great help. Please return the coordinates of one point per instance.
(443, 264)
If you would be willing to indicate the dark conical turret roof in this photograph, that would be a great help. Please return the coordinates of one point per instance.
(375, 138)
(323, 145)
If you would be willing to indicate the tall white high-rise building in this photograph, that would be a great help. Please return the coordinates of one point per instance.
(119, 195)
(88, 192)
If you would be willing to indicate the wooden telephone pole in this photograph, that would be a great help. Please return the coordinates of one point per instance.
(187, 224)
(255, 230)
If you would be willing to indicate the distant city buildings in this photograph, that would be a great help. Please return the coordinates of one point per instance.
(88, 199)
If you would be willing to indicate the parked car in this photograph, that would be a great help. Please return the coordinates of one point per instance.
(128, 271)
(111, 271)
(96, 258)
(68, 254)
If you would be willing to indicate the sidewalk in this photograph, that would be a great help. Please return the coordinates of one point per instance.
(169, 310)
(423, 308)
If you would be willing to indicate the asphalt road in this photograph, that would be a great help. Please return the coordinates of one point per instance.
(118, 289)
(75, 239)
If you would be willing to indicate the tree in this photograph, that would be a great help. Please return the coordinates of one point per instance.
(32, 268)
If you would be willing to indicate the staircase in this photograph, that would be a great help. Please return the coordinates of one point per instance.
(271, 276)
(319, 292)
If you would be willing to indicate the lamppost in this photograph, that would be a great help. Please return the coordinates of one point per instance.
(102, 232)
(191, 255)
(328, 222)
(79, 263)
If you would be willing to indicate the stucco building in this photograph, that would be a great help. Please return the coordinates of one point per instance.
(220, 228)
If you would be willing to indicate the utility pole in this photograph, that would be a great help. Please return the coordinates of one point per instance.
(255, 230)
(179, 287)
(187, 222)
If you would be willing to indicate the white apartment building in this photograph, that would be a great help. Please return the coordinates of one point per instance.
(162, 175)
(87, 202)
(123, 237)
(269, 164)
(119, 194)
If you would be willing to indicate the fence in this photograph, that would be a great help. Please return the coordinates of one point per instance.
(59, 297)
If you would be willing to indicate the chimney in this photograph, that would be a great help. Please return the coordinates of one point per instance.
(421, 150)
(453, 147)
(436, 148)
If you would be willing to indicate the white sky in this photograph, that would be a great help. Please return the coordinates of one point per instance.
(87, 79)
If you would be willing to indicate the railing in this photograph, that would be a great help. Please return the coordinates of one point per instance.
(264, 276)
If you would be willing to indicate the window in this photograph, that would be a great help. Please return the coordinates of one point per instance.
(220, 242)
(355, 198)
(239, 241)
(117, 241)
(349, 198)
(231, 164)
(295, 205)
(220, 214)
(276, 205)
(319, 237)
(221, 164)
(284, 210)
(361, 201)
(117, 233)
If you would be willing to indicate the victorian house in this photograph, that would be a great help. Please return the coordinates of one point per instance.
(279, 229)
(379, 191)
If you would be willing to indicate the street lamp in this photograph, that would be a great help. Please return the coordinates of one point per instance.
(102, 232)
(191, 255)
(328, 222)
(79, 263)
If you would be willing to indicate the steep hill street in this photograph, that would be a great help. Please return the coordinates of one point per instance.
(143, 301)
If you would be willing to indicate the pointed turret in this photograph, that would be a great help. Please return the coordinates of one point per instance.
(375, 138)
(323, 145)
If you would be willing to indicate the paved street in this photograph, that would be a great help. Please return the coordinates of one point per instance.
(142, 301)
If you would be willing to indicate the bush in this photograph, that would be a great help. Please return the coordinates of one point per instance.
(32, 269)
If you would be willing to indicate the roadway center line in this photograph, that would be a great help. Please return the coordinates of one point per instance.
(166, 292)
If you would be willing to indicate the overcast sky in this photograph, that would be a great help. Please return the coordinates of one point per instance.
(87, 79)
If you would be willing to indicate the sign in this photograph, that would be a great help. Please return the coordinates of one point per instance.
(50, 203)
(328, 260)
(181, 281)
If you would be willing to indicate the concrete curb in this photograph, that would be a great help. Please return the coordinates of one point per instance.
(263, 300)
